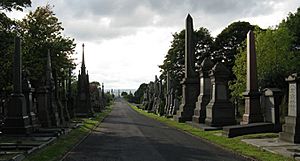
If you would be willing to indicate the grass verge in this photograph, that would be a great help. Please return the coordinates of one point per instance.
(65, 143)
(233, 144)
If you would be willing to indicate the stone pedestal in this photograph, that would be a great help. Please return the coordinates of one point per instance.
(190, 92)
(291, 128)
(43, 103)
(205, 92)
(272, 100)
(219, 111)
(253, 112)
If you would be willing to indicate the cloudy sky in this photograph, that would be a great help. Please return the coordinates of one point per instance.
(126, 40)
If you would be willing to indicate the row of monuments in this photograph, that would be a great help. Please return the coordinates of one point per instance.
(205, 97)
(51, 105)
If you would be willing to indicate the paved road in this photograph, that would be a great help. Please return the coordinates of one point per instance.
(126, 135)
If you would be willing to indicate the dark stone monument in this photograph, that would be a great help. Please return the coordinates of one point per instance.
(167, 95)
(291, 128)
(30, 106)
(219, 111)
(205, 91)
(190, 82)
(46, 101)
(70, 96)
(83, 105)
(17, 120)
(252, 95)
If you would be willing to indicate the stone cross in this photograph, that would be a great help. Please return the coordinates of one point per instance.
(252, 96)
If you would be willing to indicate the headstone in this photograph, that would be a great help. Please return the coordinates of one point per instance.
(205, 91)
(53, 108)
(17, 120)
(83, 105)
(252, 95)
(70, 96)
(175, 104)
(30, 106)
(167, 95)
(291, 128)
(272, 100)
(219, 111)
(190, 82)
(171, 102)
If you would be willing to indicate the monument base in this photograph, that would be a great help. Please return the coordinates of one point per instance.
(291, 130)
(190, 92)
(220, 114)
(238, 130)
(252, 108)
(17, 122)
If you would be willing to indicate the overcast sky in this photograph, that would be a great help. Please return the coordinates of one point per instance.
(126, 40)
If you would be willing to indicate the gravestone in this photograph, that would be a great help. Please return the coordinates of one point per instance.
(17, 120)
(219, 111)
(170, 109)
(30, 104)
(167, 97)
(190, 82)
(272, 100)
(291, 128)
(175, 104)
(70, 96)
(252, 95)
(46, 102)
(205, 91)
(83, 105)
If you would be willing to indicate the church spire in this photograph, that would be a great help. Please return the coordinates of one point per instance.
(82, 63)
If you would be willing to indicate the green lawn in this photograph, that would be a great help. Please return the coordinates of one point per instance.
(65, 143)
(233, 144)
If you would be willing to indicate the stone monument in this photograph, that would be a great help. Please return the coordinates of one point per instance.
(291, 128)
(205, 91)
(219, 111)
(190, 82)
(252, 95)
(83, 105)
(17, 120)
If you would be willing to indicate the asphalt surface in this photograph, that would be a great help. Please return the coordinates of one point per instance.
(126, 135)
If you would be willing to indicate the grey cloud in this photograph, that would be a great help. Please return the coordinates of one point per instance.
(128, 15)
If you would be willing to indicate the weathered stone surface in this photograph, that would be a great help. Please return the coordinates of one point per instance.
(17, 120)
(83, 104)
(190, 83)
(205, 91)
(252, 96)
(219, 111)
(291, 128)
(272, 99)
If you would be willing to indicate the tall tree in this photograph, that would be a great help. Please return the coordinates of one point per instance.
(227, 43)
(41, 31)
(174, 60)
(14, 4)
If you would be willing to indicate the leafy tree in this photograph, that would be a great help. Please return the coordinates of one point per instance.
(275, 60)
(227, 43)
(41, 31)
(14, 4)
(174, 60)
(6, 49)
(292, 23)
(139, 93)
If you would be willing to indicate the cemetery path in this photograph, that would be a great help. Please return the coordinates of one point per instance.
(126, 135)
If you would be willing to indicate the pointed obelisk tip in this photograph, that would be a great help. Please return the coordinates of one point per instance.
(188, 16)
(250, 33)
